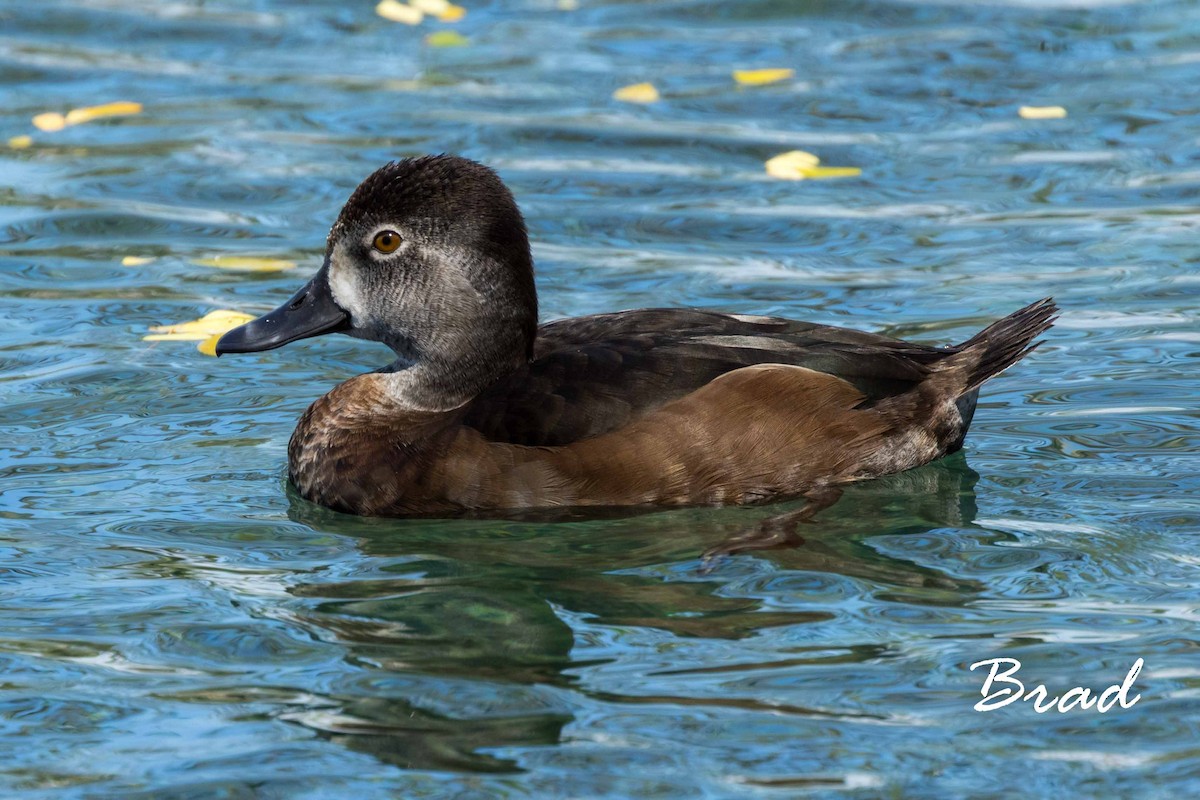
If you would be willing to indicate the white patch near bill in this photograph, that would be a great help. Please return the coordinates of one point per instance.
(343, 284)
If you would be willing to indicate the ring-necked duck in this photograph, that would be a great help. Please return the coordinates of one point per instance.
(484, 410)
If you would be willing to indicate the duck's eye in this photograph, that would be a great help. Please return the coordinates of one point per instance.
(386, 241)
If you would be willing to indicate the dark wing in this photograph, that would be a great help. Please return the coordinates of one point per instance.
(590, 375)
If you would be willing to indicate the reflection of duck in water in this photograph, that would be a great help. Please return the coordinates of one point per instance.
(485, 411)
(476, 635)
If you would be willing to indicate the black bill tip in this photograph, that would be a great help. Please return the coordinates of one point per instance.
(310, 312)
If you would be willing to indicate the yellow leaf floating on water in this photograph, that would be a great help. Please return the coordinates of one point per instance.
(567, 5)
(798, 165)
(247, 263)
(209, 345)
(399, 12)
(53, 121)
(761, 77)
(818, 173)
(787, 165)
(1042, 112)
(80, 115)
(452, 13)
(446, 39)
(637, 93)
(20, 142)
(214, 323)
(430, 7)
(50, 121)
(135, 261)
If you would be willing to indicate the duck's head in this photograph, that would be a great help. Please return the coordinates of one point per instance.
(430, 257)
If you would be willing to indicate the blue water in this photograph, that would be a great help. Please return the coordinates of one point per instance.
(174, 622)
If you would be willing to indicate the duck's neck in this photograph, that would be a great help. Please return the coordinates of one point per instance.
(421, 388)
(433, 383)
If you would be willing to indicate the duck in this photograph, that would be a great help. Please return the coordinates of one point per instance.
(486, 411)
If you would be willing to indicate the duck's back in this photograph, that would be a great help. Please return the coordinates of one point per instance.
(595, 374)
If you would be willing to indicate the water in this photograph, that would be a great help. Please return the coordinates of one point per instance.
(175, 623)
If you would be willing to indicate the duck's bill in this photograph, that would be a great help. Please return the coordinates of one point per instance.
(311, 312)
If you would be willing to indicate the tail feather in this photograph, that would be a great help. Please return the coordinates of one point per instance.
(1000, 345)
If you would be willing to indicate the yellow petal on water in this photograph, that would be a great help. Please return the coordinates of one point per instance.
(174, 337)
(214, 323)
(446, 39)
(761, 77)
(50, 121)
(135, 261)
(247, 263)
(452, 13)
(20, 142)
(1042, 112)
(567, 5)
(790, 164)
(209, 345)
(399, 12)
(77, 116)
(798, 165)
(821, 173)
(637, 93)
(53, 121)
(430, 7)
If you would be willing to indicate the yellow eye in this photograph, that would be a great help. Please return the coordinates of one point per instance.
(386, 241)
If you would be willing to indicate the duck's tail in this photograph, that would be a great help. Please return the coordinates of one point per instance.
(998, 346)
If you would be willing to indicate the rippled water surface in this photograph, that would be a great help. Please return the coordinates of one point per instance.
(176, 623)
